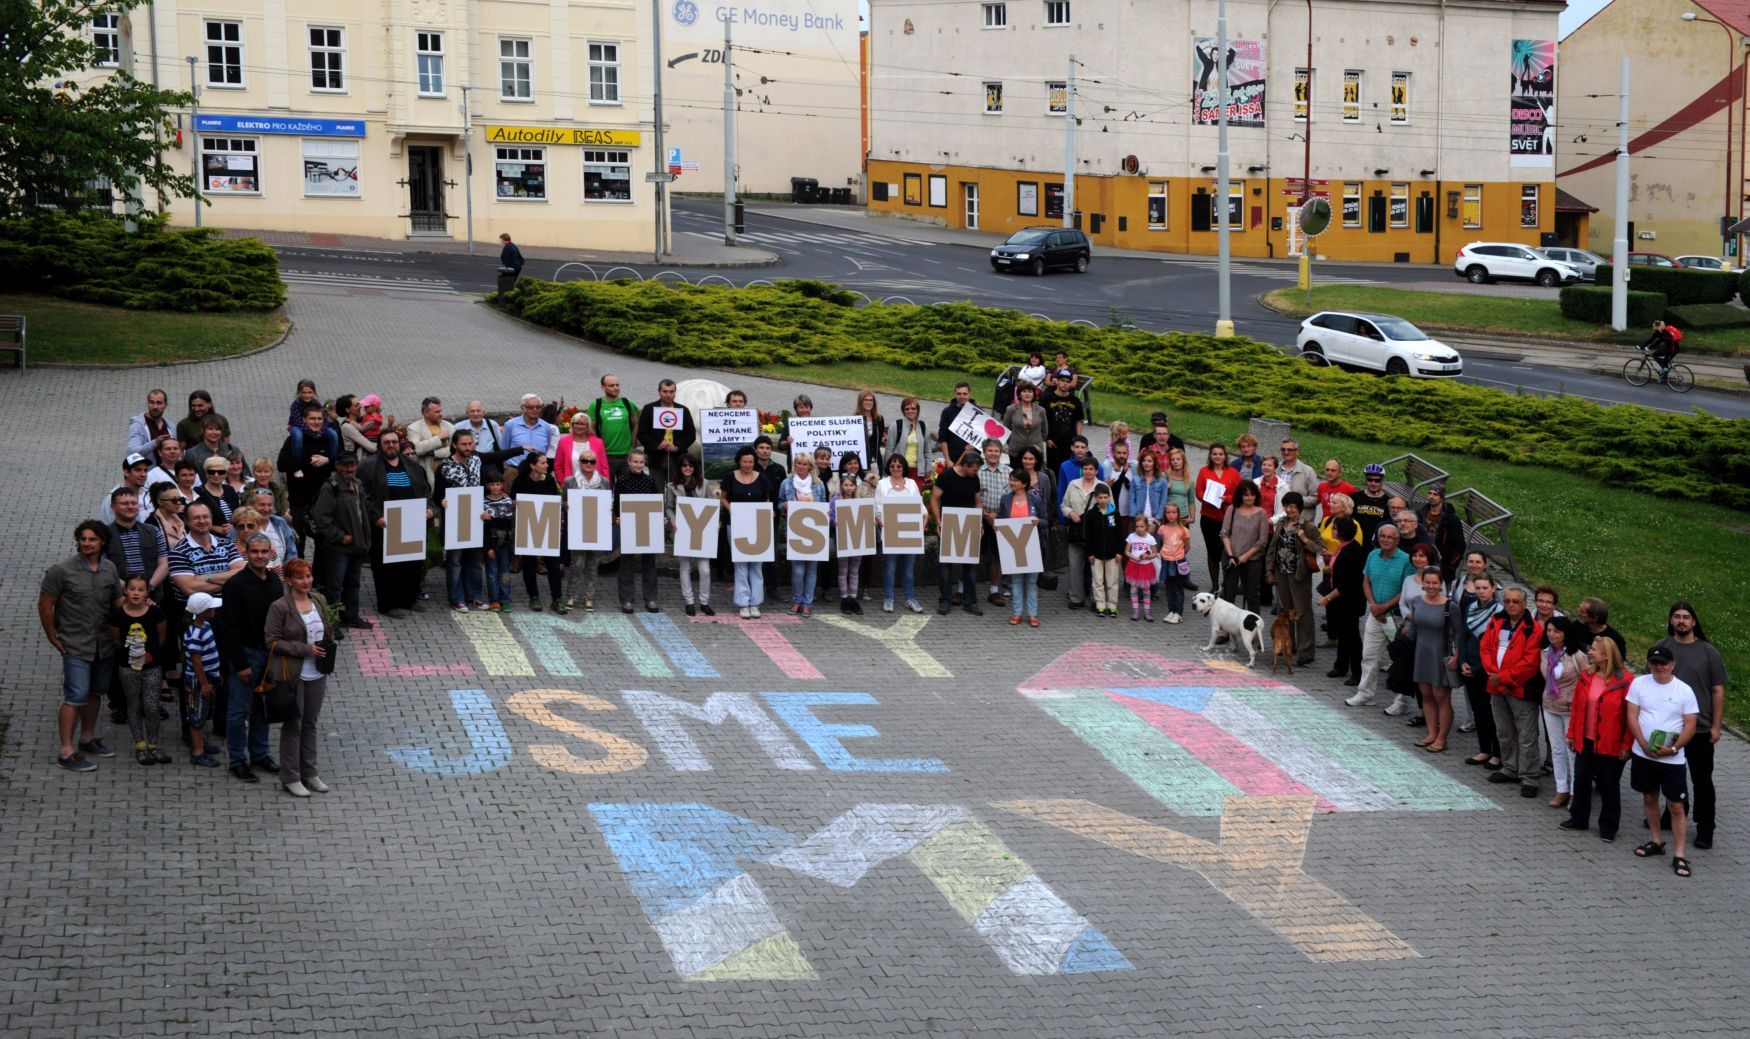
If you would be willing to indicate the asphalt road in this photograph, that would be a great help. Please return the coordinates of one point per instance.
(1156, 294)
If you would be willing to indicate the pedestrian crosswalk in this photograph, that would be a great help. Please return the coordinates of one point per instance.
(335, 279)
(852, 238)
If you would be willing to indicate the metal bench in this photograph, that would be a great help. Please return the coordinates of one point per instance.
(1413, 478)
(12, 336)
(1486, 524)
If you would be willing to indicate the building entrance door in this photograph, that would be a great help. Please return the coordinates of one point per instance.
(971, 191)
(425, 189)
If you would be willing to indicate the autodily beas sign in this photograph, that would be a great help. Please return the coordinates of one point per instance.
(589, 138)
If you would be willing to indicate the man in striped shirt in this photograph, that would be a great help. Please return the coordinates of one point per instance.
(201, 563)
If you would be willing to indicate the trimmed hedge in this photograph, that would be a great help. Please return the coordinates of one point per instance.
(1705, 317)
(93, 258)
(808, 323)
(1681, 286)
(1744, 285)
(1591, 304)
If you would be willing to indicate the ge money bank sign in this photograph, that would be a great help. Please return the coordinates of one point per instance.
(826, 24)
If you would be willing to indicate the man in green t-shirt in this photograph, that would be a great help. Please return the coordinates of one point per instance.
(615, 419)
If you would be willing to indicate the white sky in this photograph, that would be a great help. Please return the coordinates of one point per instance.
(1577, 12)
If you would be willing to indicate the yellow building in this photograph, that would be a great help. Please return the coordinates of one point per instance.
(393, 119)
(1431, 125)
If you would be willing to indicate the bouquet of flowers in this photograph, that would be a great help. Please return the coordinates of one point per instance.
(774, 423)
(564, 413)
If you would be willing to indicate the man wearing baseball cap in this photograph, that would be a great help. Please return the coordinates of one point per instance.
(1662, 712)
(1063, 418)
(134, 469)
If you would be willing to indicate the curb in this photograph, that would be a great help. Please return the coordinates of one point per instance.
(264, 348)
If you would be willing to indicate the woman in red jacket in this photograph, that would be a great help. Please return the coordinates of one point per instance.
(1509, 650)
(1209, 517)
(1599, 736)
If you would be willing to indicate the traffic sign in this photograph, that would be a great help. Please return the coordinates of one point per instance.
(659, 178)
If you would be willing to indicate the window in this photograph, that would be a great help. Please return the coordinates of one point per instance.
(1351, 95)
(938, 191)
(604, 73)
(1400, 205)
(224, 54)
(1057, 98)
(1027, 198)
(1528, 205)
(914, 189)
(1157, 205)
(429, 49)
(1236, 204)
(1302, 95)
(327, 58)
(607, 176)
(1054, 201)
(1056, 12)
(516, 70)
(106, 32)
(993, 99)
(331, 168)
(996, 16)
(1473, 205)
(521, 172)
(1400, 97)
(230, 166)
(1351, 203)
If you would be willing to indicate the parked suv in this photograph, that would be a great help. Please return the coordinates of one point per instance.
(1038, 249)
(1579, 259)
(1484, 262)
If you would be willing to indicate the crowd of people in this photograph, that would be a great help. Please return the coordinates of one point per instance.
(212, 576)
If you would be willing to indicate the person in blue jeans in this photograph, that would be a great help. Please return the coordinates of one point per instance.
(1022, 502)
(500, 539)
(957, 488)
(897, 486)
(72, 603)
(242, 618)
(802, 486)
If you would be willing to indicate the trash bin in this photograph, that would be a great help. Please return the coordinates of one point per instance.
(507, 277)
(740, 217)
(805, 190)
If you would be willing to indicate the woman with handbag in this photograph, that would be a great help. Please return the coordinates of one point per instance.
(300, 653)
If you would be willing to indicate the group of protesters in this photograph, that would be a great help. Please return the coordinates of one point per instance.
(212, 575)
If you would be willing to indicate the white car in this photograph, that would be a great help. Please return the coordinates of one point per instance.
(1706, 263)
(1483, 262)
(1579, 259)
(1376, 341)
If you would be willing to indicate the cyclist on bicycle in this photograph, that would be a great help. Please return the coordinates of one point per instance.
(1664, 344)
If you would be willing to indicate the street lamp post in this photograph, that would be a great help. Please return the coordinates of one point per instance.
(1731, 60)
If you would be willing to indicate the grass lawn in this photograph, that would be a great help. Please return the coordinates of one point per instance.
(86, 333)
(1637, 552)
(1490, 315)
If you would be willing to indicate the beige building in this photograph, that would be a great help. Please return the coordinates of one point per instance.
(1430, 120)
(394, 118)
(1686, 139)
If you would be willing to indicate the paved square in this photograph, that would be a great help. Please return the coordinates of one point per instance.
(874, 826)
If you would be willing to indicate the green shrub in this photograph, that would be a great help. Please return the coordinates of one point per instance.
(1591, 304)
(1704, 317)
(1744, 285)
(1680, 285)
(94, 259)
(687, 325)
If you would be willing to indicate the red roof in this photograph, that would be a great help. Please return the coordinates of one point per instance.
(1735, 13)
(1567, 203)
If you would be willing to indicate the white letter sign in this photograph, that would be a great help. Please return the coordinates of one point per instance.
(462, 525)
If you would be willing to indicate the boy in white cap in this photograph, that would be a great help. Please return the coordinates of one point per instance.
(200, 674)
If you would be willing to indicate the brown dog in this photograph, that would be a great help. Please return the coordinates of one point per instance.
(1282, 640)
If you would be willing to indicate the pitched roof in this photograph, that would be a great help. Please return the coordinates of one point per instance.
(1567, 203)
(1735, 13)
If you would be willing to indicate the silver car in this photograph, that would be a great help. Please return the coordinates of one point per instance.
(1579, 259)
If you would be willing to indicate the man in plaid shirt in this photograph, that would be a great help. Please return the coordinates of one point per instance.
(993, 483)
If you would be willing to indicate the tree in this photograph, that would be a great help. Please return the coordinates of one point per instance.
(58, 137)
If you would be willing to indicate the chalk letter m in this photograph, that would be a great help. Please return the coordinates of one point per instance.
(685, 862)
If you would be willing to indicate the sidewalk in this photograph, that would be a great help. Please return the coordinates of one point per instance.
(1725, 374)
(688, 251)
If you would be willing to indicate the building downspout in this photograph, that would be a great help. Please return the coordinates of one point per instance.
(152, 36)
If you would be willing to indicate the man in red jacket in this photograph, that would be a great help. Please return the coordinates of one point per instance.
(1509, 651)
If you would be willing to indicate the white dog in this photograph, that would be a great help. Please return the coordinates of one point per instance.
(1245, 627)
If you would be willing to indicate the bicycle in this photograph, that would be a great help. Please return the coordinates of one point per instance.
(1644, 369)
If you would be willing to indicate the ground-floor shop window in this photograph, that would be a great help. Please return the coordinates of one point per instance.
(521, 173)
(230, 165)
(607, 176)
(331, 168)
